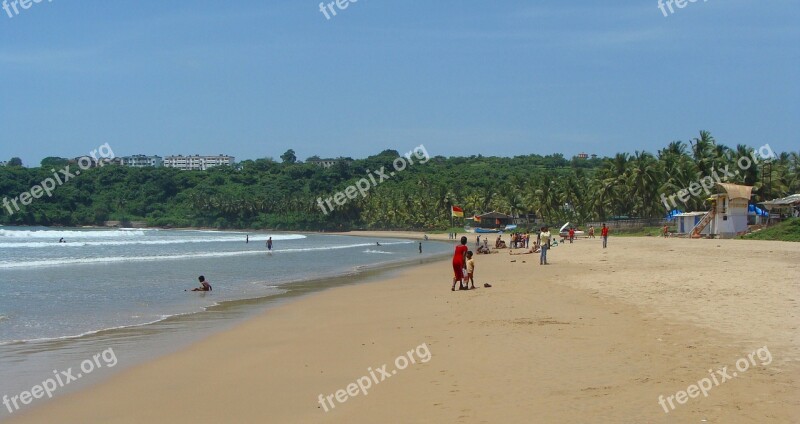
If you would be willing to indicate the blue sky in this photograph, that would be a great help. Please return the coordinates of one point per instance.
(255, 78)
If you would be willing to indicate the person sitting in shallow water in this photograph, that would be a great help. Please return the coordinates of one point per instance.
(204, 286)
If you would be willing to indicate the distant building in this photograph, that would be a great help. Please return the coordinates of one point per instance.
(583, 156)
(197, 162)
(325, 163)
(492, 220)
(141, 161)
(786, 207)
(594, 156)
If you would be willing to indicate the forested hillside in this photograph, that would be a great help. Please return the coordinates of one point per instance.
(283, 195)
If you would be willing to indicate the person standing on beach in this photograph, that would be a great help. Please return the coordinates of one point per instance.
(247, 239)
(591, 231)
(544, 238)
(269, 244)
(470, 270)
(420, 247)
(459, 261)
(604, 235)
(571, 234)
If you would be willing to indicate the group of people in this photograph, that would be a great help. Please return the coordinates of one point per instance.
(519, 240)
(482, 248)
(206, 287)
(544, 240)
(463, 267)
(269, 242)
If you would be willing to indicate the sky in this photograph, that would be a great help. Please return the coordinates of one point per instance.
(253, 79)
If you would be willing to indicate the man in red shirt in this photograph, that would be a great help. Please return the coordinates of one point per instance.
(571, 234)
(459, 261)
(604, 235)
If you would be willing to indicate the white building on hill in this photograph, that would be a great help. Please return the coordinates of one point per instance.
(141, 161)
(197, 162)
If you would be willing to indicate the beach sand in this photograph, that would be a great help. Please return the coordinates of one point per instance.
(597, 336)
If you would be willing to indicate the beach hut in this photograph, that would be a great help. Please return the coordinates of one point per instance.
(493, 220)
(786, 207)
(728, 214)
(685, 222)
(731, 204)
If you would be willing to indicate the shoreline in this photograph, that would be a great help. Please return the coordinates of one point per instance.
(191, 328)
(541, 341)
(149, 341)
(294, 288)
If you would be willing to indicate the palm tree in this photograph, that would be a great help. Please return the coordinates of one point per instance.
(645, 180)
(703, 151)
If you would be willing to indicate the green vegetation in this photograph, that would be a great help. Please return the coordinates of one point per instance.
(788, 230)
(283, 195)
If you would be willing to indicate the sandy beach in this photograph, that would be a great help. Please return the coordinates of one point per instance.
(597, 336)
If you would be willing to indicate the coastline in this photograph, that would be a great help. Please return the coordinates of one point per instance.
(598, 333)
(26, 361)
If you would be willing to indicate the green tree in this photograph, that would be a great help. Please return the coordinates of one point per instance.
(289, 157)
(54, 162)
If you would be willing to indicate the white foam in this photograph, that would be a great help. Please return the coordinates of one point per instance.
(91, 332)
(378, 251)
(69, 234)
(54, 234)
(122, 259)
(142, 241)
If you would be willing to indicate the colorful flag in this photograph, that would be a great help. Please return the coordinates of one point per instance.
(456, 211)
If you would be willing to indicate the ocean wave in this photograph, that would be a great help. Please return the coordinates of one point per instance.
(123, 259)
(92, 332)
(163, 241)
(378, 251)
(161, 317)
(69, 234)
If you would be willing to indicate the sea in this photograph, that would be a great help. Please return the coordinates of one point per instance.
(67, 294)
